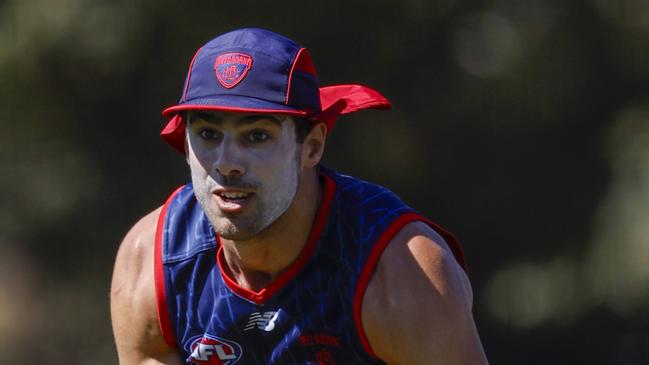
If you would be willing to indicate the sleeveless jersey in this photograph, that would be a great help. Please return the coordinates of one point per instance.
(310, 314)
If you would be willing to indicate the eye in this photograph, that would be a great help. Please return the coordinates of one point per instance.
(258, 136)
(208, 134)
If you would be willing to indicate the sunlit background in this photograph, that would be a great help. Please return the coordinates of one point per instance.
(522, 126)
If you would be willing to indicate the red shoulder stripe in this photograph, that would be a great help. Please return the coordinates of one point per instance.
(373, 259)
(159, 278)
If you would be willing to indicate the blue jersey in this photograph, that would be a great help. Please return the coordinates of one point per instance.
(310, 314)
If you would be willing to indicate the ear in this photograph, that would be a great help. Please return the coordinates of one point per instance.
(314, 144)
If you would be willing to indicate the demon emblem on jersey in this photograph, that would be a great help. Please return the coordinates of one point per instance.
(231, 68)
(212, 350)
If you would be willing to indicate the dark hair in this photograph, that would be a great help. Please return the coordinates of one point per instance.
(302, 128)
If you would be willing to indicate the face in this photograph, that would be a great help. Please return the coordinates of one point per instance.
(245, 170)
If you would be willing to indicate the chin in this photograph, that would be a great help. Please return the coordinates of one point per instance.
(233, 234)
(229, 230)
(240, 227)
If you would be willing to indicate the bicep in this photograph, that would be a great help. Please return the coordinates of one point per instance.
(133, 303)
(420, 296)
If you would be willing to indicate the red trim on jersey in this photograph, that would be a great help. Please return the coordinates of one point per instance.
(266, 293)
(159, 278)
(373, 259)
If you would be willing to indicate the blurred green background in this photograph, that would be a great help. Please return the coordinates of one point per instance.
(522, 126)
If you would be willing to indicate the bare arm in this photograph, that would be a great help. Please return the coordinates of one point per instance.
(133, 301)
(417, 306)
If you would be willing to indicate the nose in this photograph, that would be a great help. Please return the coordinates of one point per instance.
(228, 161)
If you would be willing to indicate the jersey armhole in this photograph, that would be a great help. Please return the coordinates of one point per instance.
(366, 274)
(159, 278)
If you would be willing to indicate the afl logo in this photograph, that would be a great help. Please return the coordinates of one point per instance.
(213, 350)
(231, 68)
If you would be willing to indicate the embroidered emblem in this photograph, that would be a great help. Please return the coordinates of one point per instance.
(213, 350)
(231, 68)
(264, 322)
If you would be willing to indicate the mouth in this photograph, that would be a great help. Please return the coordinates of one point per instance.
(232, 201)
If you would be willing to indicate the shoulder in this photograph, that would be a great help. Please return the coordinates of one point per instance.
(133, 298)
(134, 261)
(420, 295)
(136, 247)
(351, 187)
(357, 197)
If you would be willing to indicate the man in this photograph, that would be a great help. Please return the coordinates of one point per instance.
(269, 257)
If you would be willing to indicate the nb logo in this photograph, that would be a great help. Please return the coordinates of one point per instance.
(264, 322)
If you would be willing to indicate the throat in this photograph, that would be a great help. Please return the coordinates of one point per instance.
(254, 280)
(249, 273)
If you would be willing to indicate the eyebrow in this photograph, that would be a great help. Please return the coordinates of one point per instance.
(249, 119)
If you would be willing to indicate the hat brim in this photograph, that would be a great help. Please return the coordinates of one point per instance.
(336, 100)
(173, 133)
(235, 104)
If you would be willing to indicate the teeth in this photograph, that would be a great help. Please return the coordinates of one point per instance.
(233, 195)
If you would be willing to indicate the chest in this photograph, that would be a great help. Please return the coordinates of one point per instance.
(309, 321)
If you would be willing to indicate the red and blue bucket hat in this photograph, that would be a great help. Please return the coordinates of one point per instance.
(254, 70)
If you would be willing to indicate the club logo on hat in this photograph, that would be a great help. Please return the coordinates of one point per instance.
(231, 68)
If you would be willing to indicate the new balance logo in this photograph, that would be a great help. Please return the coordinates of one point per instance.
(264, 322)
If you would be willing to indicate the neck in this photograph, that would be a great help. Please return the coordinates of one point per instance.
(255, 263)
